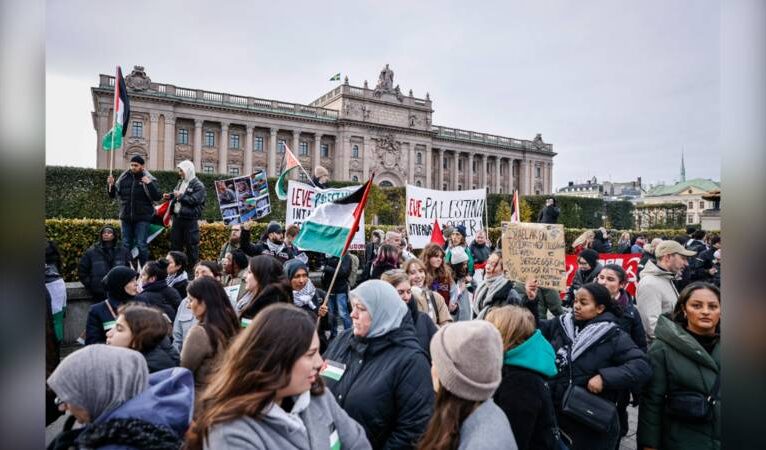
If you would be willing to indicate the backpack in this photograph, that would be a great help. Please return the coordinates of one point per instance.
(354, 270)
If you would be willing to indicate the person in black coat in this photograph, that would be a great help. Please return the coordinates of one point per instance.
(549, 213)
(338, 302)
(425, 328)
(272, 244)
(600, 357)
(601, 243)
(307, 297)
(378, 372)
(99, 259)
(177, 267)
(155, 290)
(588, 268)
(136, 189)
(188, 202)
(145, 329)
(121, 286)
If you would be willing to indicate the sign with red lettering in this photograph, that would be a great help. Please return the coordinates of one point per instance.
(629, 262)
(450, 208)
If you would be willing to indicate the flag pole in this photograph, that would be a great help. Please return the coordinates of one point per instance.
(114, 117)
(299, 165)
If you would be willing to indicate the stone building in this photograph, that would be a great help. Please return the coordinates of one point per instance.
(350, 130)
(590, 189)
(689, 192)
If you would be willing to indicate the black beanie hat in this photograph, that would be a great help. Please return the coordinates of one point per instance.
(137, 159)
(591, 256)
(115, 282)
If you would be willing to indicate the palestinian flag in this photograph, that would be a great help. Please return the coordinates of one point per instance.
(113, 139)
(332, 225)
(335, 77)
(159, 223)
(516, 213)
(291, 162)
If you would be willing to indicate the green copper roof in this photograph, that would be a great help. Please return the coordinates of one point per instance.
(699, 183)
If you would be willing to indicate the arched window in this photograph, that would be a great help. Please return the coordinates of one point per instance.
(355, 178)
(418, 183)
(355, 151)
(419, 158)
(386, 183)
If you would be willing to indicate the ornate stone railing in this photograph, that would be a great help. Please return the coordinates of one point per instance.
(483, 138)
(362, 92)
(199, 96)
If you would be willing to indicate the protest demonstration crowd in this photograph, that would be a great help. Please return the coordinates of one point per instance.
(291, 341)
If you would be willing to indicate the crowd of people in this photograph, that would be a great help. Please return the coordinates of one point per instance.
(435, 349)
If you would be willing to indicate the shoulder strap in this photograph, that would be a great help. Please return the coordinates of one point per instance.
(111, 310)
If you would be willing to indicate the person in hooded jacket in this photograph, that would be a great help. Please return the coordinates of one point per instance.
(155, 290)
(523, 394)
(601, 242)
(307, 297)
(588, 268)
(377, 370)
(188, 200)
(110, 390)
(425, 328)
(99, 259)
(594, 353)
(121, 287)
(144, 329)
(686, 358)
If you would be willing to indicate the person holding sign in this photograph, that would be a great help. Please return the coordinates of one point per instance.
(268, 393)
(121, 286)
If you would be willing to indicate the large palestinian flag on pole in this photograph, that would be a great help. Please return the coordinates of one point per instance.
(113, 139)
(332, 225)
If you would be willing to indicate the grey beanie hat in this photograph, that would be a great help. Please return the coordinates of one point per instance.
(468, 357)
(99, 378)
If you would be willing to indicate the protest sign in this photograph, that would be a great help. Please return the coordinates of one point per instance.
(450, 208)
(243, 198)
(302, 199)
(535, 250)
(629, 262)
(232, 292)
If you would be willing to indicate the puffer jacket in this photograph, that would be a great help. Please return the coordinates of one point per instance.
(192, 201)
(425, 328)
(680, 363)
(630, 321)
(162, 356)
(656, 294)
(386, 385)
(97, 261)
(159, 294)
(135, 197)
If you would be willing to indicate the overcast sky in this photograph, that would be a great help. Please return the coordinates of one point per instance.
(618, 87)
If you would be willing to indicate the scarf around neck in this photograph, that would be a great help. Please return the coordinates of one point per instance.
(487, 291)
(276, 248)
(171, 280)
(305, 296)
(582, 339)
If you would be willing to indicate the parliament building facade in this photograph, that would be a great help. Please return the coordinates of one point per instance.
(351, 131)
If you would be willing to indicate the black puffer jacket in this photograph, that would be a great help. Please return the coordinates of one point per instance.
(135, 201)
(100, 320)
(341, 281)
(159, 294)
(386, 386)
(526, 398)
(162, 356)
(97, 261)
(192, 201)
(425, 328)
(615, 357)
(630, 321)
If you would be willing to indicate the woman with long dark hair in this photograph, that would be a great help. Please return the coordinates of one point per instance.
(185, 320)
(686, 358)
(596, 355)
(266, 284)
(216, 326)
(467, 359)
(144, 329)
(388, 259)
(268, 394)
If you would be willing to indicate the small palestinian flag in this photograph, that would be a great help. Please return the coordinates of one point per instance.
(291, 162)
(113, 138)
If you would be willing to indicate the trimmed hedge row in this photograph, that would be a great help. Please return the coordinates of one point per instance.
(74, 236)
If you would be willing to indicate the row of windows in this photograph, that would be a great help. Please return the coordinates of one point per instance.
(702, 205)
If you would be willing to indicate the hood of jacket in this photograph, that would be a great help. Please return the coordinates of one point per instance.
(188, 169)
(167, 401)
(535, 354)
(675, 336)
(651, 268)
(115, 231)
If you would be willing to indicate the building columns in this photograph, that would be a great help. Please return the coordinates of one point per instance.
(453, 175)
(469, 172)
(411, 163)
(483, 177)
(510, 176)
(497, 175)
(440, 170)
(198, 144)
(170, 141)
(315, 157)
(366, 157)
(248, 169)
(154, 164)
(272, 166)
(223, 146)
(296, 143)
(429, 163)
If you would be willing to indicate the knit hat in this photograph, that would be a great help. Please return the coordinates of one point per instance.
(468, 357)
(137, 159)
(294, 265)
(460, 229)
(589, 255)
(384, 304)
(100, 378)
(458, 255)
(274, 228)
(115, 282)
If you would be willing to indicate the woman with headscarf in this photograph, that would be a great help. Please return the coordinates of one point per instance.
(188, 200)
(309, 298)
(121, 286)
(110, 391)
(588, 268)
(377, 371)
(425, 328)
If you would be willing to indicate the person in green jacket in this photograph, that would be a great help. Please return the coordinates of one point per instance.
(686, 357)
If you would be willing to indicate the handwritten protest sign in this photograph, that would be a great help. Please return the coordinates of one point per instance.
(450, 208)
(243, 198)
(535, 250)
(303, 198)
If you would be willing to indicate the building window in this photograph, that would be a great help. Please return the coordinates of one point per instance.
(444, 187)
(233, 170)
(208, 169)
(419, 158)
(691, 205)
(303, 149)
(702, 205)
(538, 172)
(459, 187)
(258, 144)
(355, 151)
(281, 146)
(459, 164)
(183, 136)
(138, 129)
(355, 178)
(445, 163)
(690, 219)
(234, 141)
(209, 139)
(418, 183)
(324, 150)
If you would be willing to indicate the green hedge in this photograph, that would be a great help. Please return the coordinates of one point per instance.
(74, 236)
